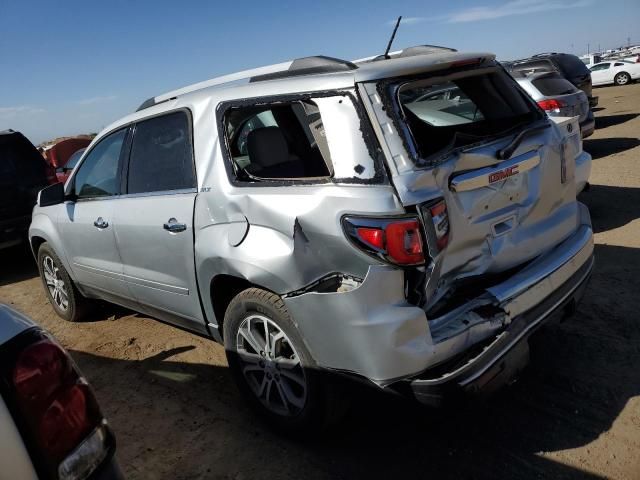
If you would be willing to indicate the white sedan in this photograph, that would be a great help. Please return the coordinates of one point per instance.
(619, 72)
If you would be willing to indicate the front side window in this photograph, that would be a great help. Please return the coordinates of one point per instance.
(162, 155)
(286, 140)
(462, 111)
(98, 174)
(602, 66)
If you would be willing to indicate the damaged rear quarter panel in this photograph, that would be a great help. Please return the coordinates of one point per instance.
(281, 238)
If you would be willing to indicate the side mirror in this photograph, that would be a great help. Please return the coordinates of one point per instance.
(51, 195)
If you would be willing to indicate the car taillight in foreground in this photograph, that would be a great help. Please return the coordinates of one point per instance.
(58, 411)
(551, 105)
(396, 240)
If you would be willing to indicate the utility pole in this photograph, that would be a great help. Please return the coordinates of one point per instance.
(588, 51)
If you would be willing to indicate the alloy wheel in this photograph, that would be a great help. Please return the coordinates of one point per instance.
(55, 284)
(271, 366)
(622, 79)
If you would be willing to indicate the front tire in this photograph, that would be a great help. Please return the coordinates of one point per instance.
(622, 78)
(272, 367)
(63, 295)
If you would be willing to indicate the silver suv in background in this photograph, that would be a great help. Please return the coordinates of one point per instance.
(561, 100)
(558, 97)
(329, 217)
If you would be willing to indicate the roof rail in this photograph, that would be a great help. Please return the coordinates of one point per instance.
(408, 52)
(308, 66)
(232, 77)
(300, 66)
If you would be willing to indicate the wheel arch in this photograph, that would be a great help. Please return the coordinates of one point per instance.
(223, 288)
(43, 230)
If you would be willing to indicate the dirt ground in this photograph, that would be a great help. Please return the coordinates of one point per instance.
(574, 414)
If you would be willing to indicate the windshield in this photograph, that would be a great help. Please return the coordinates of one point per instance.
(446, 115)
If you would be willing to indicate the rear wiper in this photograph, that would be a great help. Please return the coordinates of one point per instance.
(506, 152)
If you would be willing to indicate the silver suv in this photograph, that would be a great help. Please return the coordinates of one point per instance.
(325, 218)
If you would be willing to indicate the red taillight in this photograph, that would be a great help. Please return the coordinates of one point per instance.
(552, 104)
(40, 369)
(396, 240)
(372, 236)
(55, 402)
(404, 244)
(440, 221)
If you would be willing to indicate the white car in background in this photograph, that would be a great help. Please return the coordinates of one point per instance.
(619, 72)
(50, 424)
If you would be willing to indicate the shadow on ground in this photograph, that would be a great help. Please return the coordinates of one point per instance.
(17, 265)
(612, 120)
(601, 147)
(611, 207)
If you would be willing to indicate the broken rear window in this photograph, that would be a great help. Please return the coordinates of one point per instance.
(443, 115)
(280, 141)
(315, 138)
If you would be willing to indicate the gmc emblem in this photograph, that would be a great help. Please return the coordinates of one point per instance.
(503, 174)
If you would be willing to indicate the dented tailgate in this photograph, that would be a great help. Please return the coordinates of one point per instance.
(503, 212)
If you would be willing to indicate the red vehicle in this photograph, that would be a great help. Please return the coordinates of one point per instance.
(59, 155)
(62, 173)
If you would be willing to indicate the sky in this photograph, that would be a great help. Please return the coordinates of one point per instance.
(70, 67)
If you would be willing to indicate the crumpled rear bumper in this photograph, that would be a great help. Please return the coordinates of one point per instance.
(499, 362)
(374, 332)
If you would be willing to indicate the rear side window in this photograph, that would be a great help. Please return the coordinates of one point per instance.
(162, 155)
(98, 174)
(553, 84)
(286, 140)
(463, 111)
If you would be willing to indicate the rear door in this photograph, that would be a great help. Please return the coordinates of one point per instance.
(155, 220)
(87, 225)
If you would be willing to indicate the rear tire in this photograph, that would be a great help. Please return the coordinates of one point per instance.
(62, 293)
(622, 78)
(277, 377)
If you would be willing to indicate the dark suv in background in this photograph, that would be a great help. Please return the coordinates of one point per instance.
(570, 66)
(22, 176)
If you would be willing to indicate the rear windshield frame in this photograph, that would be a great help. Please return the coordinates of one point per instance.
(388, 90)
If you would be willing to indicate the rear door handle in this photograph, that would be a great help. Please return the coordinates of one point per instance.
(101, 223)
(174, 227)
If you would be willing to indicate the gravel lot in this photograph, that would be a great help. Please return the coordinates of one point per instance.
(575, 414)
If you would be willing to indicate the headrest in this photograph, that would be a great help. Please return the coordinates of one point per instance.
(267, 147)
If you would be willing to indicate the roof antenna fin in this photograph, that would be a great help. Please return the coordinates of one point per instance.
(393, 35)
